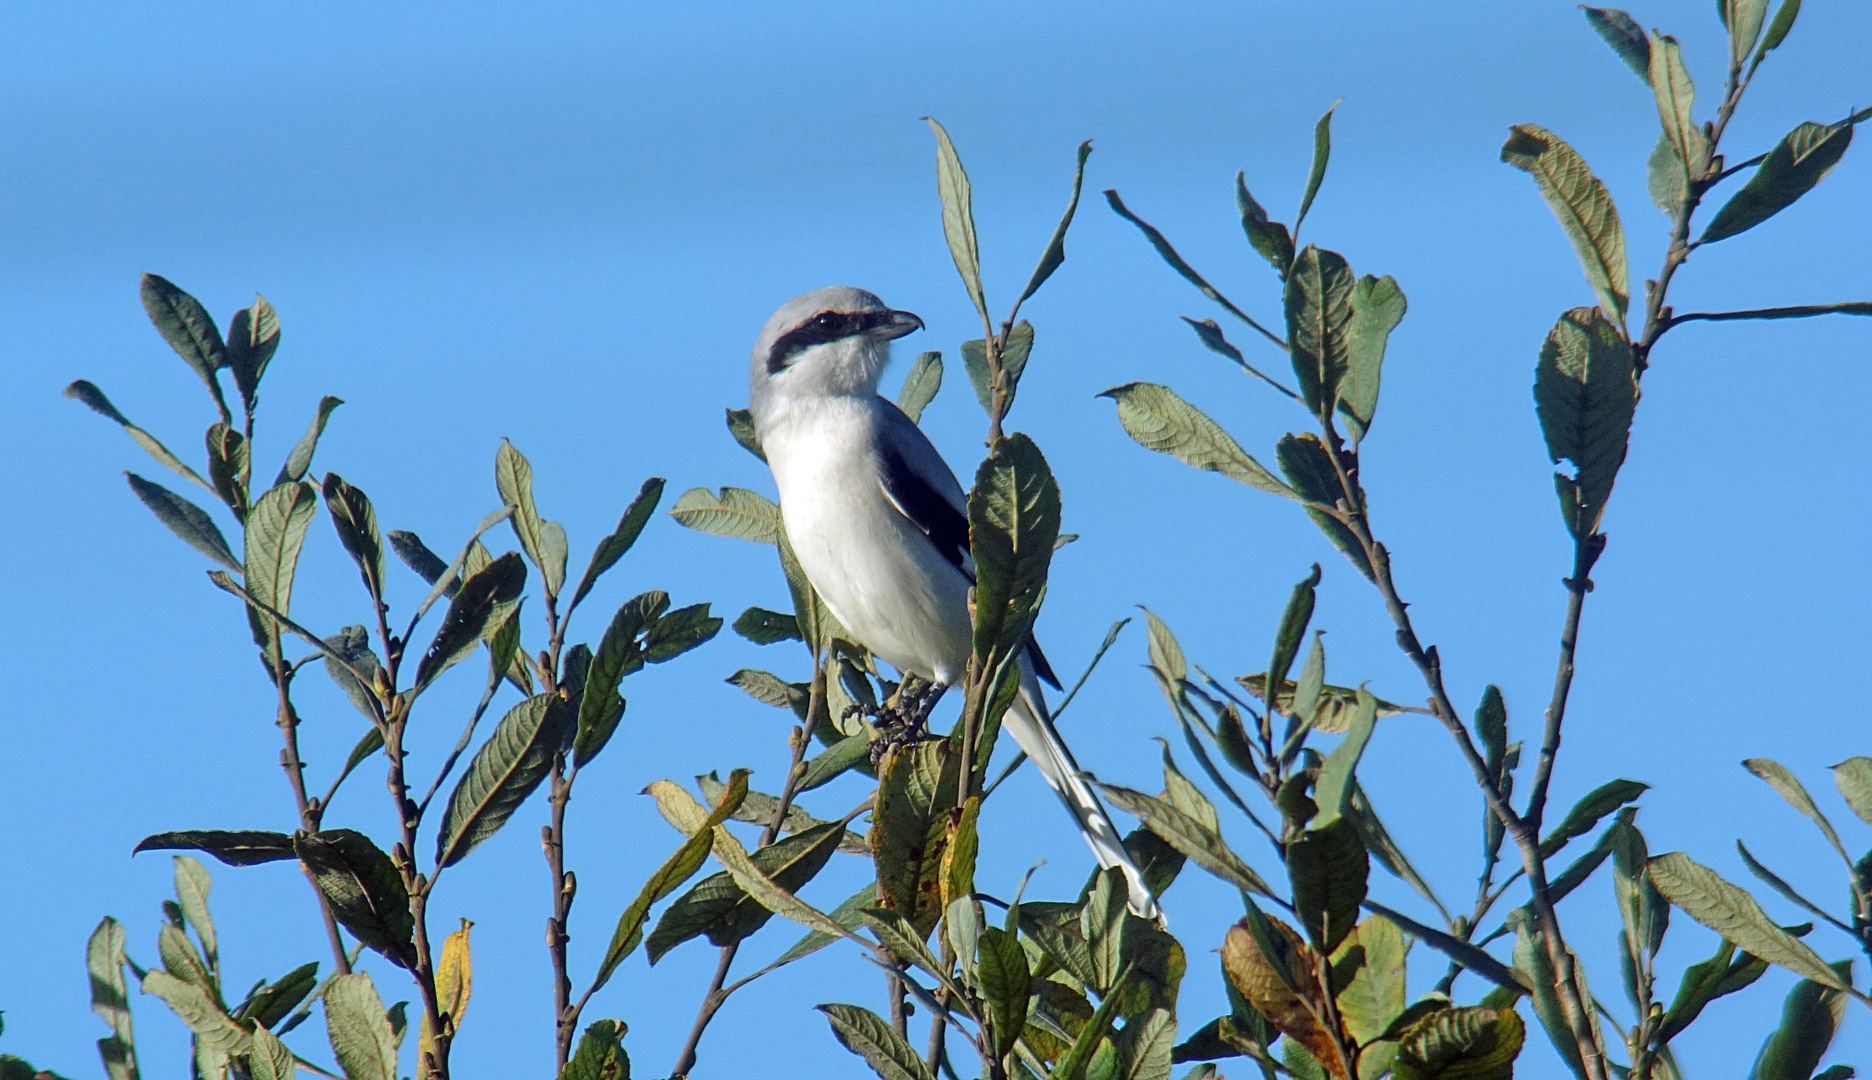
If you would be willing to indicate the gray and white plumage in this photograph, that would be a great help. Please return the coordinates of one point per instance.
(880, 524)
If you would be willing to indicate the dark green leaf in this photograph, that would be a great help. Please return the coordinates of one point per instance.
(1329, 869)
(1014, 517)
(1332, 792)
(629, 527)
(720, 908)
(352, 643)
(679, 631)
(417, 556)
(920, 385)
(1013, 363)
(469, 614)
(362, 888)
(227, 461)
(1775, 882)
(827, 765)
(300, 459)
(1269, 238)
(1377, 307)
(269, 1004)
(1169, 255)
(1473, 1043)
(242, 848)
(1308, 466)
(1585, 392)
(1582, 205)
(186, 326)
(1626, 36)
(958, 216)
(1188, 836)
(1733, 913)
(1798, 162)
(542, 540)
(1784, 17)
(1587, 813)
(736, 513)
(1319, 317)
(356, 523)
(1293, 626)
(94, 399)
(1322, 151)
(868, 1035)
(741, 429)
(1809, 1018)
(504, 772)
(1160, 420)
(359, 1029)
(764, 627)
(1853, 777)
(253, 337)
(600, 1054)
(1704, 982)
(909, 831)
(1055, 252)
(1073, 1065)
(185, 519)
(1462, 952)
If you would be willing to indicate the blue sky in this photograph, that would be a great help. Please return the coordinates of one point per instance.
(565, 223)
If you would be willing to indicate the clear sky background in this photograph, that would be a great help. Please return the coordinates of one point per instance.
(565, 223)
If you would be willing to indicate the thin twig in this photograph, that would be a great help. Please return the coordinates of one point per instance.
(1800, 311)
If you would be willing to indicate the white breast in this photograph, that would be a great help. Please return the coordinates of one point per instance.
(881, 576)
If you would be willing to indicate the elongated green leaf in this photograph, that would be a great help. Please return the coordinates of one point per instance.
(600, 1054)
(1332, 792)
(1586, 813)
(1322, 152)
(1532, 960)
(1293, 625)
(1799, 161)
(1775, 882)
(543, 541)
(764, 627)
(1627, 38)
(104, 960)
(192, 883)
(1188, 836)
(1744, 20)
(270, 1059)
(1809, 1019)
(845, 915)
(93, 398)
(868, 1035)
(359, 1029)
(356, 523)
(469, 614)
(1583, 207)
(1308, 466)
(1784, 17)
(1789, 787)
(678, 868)
(1666, 180)
(1671, 85)
(188, 329)
(1014, 518)
(1055, 252)
(909, 831)
(629, 527)
(958, 215)
(832, 762)
(1705, 981)
(362, 888)
(1377, 307)
(253, 337)
(267, 1005)
(724, 909)
(1003, 975)
(676, 632)
(200, 1011)
(741, 429)
(1318, 303)
(227, 463)
(185, 519)
(1270, 239)
(1074, 1064)
(300, 459)
(1586, 393)
(895, 933)
(920, 385)
(504, 772)
(1329, 870)
(1160, 420)
(236, 848)
(1013, 363)
(1733, 913)
(1169, 255)
(620, 652)
(735, 513)
(1853, 777)
(1460, 951)
(275, 533)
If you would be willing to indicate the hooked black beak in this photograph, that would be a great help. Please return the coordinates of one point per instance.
(898, 324)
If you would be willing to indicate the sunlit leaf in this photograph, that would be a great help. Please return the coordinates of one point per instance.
(507, 768)
(1160, 420)
(1583, 207)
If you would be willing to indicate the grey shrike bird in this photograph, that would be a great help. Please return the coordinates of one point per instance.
(880, 524)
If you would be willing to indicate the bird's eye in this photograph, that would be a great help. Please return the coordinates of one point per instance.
(827, 321)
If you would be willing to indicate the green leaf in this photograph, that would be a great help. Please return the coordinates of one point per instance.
(679, 631)
(830, 763)
(469, 615)
(1586, 813)
(1462, 952)
(275, 534)
(1675, 93)
(1778, 29)
(363, 889)
(1003, 975)
(359, 1029)
(1532, 960)
(909, 831)
(192, 883)
(1809, 1019)
(1471, 1043)
(868, 1035)
(1733, 913)
(188, 329)
(920, 385)
(1308, 466)
(1626, 36)
(1188, 836)
(1704, 982)
(1665, 178)
(613, 547)
(352, 643)
(1146, 1045)
(270, 1059)
(721, 908)
(1582, 205)
(356, 524)
(213, 1027)
(1373, 996)
(1329, 870)
(93, 398)
(185, 519)
(1293, 625)
(1378, 305)
(1073, 1065)
(1055, 252)
(543, 541)
(1799, 161)
(504, 772)
(1013, 363)
(741, 429)
(1744, 20)
(1853, 777)
(1014, 518)
(1322, 150)
(958, 216)
(846, 915)
(676, 869)
(1318, 302)
(227, 461)
(1333, 790)
(1269, 238)
(1169, 255)
(620, 652)
(253, 337)
(764, 627)
(104, 960)
(1789, 787)
(299, 461)
(895, 934)
(1160, 420)
(1775, 882)
(267, 1005)
(1585, 393)
(735, 513)
(600, 1054)
(238, 848)
(1102, 927)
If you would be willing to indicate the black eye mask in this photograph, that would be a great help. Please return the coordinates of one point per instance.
(820, 329)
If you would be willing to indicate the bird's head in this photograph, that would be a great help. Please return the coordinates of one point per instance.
(828, 342)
